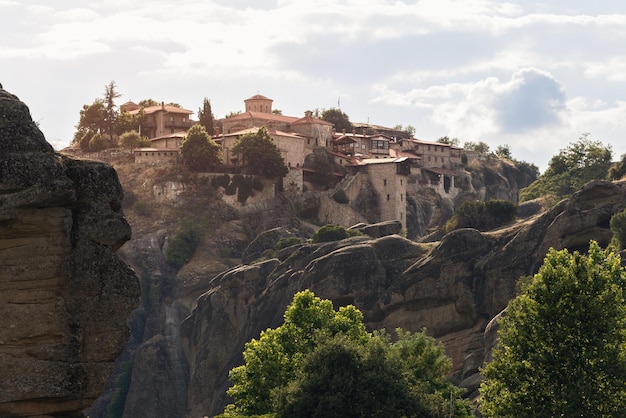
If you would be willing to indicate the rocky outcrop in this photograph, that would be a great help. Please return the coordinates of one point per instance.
(64, 294)
(453, 287)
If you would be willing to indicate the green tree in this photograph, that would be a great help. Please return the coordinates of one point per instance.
(206, 118)
(260, 154)
(322, 363)
(447, 140)
(562, 342)
(339, 119)
(618, 228)
(110, 111)
(579, 163)
(618, 169)
(132, 140)
(479, 147)
(504, 151)
(272, 360)
(198, 150)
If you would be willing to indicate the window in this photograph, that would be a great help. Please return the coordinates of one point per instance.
(400, 182)
(387, 197)
(384, 182)
(400, 197)
(171, 118)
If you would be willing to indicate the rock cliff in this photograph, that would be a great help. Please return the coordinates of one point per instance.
(453, 287)
(64, 294)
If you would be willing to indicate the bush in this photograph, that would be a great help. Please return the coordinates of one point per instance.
(231, 189)
(329, 233)
(257, 184)
(220, 181)
(501, 211)
(287, 242)
(183, 245)
(482, 215)
(618, 228)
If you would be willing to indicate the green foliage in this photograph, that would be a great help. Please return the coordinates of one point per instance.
(206, 118)
(322, 362)
(220, 181)
(287, 242)
(340, 196)
(260, 154)
(339, 119)
(562, 342)
(329, 233)
(447, 140)
(618, 228)
(504, 151)
(579, 163)
(98, 143)
(224, 252)
(132, 139)
(482, 215)
(479, 147)
(184, 244)
(618, 169)
(198, 150)
(257, 184)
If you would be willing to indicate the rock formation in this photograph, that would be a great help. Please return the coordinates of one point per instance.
(453, 287)
(64, 294)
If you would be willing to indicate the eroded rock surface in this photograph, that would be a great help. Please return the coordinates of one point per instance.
(64, 294)
(454, 287)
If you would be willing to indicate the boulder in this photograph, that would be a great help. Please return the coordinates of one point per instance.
(64, 293)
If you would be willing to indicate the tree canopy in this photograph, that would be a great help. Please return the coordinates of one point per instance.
(579, 163)
(206, 118)
(338, 118)
(132, 139)
(198, 150)
(322, 362)
(260, 154)
(562, 342)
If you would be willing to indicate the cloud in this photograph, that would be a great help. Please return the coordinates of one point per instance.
(530, 100)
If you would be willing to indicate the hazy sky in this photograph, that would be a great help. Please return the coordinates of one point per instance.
(533, 75)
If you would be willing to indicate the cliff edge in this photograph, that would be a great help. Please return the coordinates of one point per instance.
(64, 294)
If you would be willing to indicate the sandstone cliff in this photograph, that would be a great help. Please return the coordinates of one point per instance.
(64, 294)
(453, 287)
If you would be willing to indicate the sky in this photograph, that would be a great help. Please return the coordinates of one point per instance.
(535, 76)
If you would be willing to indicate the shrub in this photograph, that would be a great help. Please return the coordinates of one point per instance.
(224, 252)
(183, 245)
(287, 242)
(231, 189)
(220, 181)
(618, 228)
(501, 211)
(329, 233)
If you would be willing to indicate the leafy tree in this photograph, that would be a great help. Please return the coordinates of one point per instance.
(618, 169)
(580, 162)
(450, 141)
(110, 111)
(338, 118)
(479, 147)
(562, 342)
(206, 118)
(98, 143)
(183, 246)
(198, 150)
(322, 362)
(272, 360)
(260, 154)
(126, 122)
(504, 151)
(132, 140)
(148, 103)
(91, 119)
(618, 228)
(482, 215)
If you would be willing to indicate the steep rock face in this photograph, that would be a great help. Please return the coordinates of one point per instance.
(64, 294)
(453, 287)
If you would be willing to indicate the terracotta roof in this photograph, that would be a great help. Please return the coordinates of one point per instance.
(255, 129)
(168, 108)
(438, 170)
(310, 120)
(403, 154)
(154, 149)
(262, 116)
(258, 97)
(180, 134)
